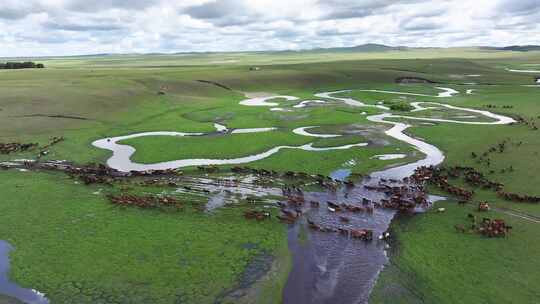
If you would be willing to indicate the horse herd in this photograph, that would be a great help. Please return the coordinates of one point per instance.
(145, 202)
(439, 177)
(15, 147)
(8, 148)
(487, 227)
(402, 195)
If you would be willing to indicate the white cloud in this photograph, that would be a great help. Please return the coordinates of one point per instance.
(65, 27)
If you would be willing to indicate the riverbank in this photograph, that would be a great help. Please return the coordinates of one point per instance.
(434, 263)
(13, 292)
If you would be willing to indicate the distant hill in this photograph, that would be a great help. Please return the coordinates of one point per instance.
(363, 48)
(370, 47)
(515, 48)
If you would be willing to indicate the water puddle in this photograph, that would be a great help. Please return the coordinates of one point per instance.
(280, 110)
(389, 156)
(228, 190)
(341, 174)
(10, 289)
(220, 128)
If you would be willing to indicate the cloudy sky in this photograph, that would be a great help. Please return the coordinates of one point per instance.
(68, 27)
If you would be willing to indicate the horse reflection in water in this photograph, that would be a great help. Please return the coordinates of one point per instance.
(331, 267)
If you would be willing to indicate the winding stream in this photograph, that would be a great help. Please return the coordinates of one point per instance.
(326, 268)
(524, 71)
(330, 269)
(121, 158)
(302, 131)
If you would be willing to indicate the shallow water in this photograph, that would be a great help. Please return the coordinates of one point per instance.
(348, 101)
(8, 288)
(334, 269)
(330, 268)
(304, 103)
(228, 190)
(263, 101)
(447, 92)
(341, 174)
(253, 130)
(302, 131)
(389, 156)
(327, 268)
(122, 153)
(280, 110)
(523, 71)
(220, 128)
(498, 119)
(434, 156)
(121, 158)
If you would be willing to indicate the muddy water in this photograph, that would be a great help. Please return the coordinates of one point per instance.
(330, 268)
(10, 289)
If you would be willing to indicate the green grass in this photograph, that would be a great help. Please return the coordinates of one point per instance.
(76, 247)
(93, 252)
(165, 148)
(265, 59)
(433, 263)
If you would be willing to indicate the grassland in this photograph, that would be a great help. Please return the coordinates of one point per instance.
(73, 245)
(94, 252)
(434, 264)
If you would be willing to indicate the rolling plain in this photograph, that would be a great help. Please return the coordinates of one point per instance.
(74, 246)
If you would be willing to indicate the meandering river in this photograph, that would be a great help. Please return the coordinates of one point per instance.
(326, 268)
(121, 158)
(330, 269)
